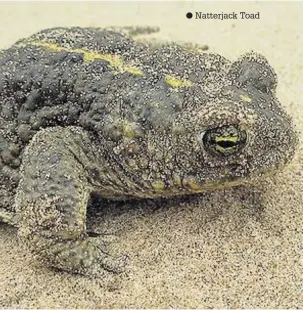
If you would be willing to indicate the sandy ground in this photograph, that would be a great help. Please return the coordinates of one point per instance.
(215, 251)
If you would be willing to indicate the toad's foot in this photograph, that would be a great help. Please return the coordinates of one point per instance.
(85, 255)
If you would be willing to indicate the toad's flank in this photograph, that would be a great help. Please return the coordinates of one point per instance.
(87, 110)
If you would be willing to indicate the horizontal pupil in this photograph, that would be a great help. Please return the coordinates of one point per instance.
(226, 144)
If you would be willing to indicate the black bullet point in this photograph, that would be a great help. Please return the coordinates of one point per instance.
(189, 15)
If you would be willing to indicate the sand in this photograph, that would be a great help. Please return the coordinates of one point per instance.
(217, 250)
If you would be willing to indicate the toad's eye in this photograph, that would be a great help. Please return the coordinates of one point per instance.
(225, 140)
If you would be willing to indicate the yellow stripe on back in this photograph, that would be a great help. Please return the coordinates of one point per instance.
(114, 61)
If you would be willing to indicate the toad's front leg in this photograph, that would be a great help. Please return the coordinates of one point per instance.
(52, 200)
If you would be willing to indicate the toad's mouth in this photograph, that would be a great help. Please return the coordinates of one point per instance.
(229, 179)
(193, 184)
(190, 184)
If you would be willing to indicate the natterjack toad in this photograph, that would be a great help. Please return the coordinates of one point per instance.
(86, 110)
